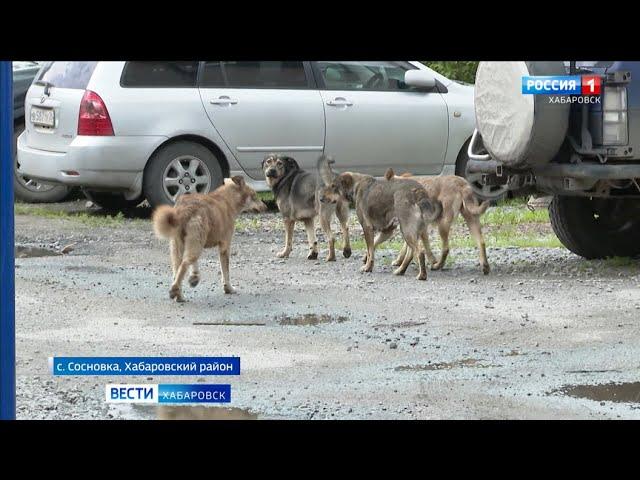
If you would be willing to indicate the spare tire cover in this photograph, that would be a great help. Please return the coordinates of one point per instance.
(518, 130)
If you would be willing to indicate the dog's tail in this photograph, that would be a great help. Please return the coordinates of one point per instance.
(431, 209)
(470, 202)
(165, 221)
(324, 169)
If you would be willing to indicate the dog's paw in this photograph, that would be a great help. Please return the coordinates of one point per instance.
(176, 294)
(194, 280)
(346, 253)
(228, 289)
(283, 254)
(312, 255)
(486, 269)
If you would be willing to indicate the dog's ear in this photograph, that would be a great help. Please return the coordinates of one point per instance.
(389, 174)
(238, 180)
(290, 163)
(345, 181)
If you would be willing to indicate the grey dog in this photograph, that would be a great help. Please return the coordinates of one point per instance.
(375, 201)
(297, 194)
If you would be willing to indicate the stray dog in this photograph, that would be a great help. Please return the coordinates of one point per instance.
(414, 211)
(199, 221)
(457, 197)
(297, 194)
(374, 201)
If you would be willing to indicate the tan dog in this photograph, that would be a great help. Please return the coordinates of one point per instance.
(201, 221)
(457, 197)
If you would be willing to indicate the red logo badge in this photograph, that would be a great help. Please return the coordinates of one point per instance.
(591, 84)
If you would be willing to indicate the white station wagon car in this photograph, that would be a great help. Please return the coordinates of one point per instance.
(125, 131)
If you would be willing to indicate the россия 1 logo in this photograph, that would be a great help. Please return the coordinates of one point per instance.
(562, 85)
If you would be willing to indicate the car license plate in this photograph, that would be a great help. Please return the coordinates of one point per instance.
(42, 116)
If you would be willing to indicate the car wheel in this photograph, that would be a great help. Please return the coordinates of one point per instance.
(492, 193)
(112, 202)
(28, 189)
(181, 168)
(597, 227)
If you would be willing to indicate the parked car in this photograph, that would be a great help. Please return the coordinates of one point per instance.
(582, 149)
(124, 131)
(25, 188)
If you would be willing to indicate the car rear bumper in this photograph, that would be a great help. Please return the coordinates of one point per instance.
(114, 163)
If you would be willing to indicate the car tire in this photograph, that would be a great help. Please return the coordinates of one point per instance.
(597, 227)
(178, 166)
(493, 193)
(111, 201)
(29, 190)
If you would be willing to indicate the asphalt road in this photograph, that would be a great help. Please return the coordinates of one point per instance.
(545, 335)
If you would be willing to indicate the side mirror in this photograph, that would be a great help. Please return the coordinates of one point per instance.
(419, 78)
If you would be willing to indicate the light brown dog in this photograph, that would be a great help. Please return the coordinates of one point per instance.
(457, 197)
(199, 221)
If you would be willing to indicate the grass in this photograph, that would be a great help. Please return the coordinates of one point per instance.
(84, 218)
(514, 216)
(620, 262)
(497, 239)
(248, 224)
(508, 224)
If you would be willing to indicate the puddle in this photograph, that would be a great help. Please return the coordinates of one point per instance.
(400, 324)
(166, 412)
(593, 371)
(231, 324)
(466, 362)
(22, 251)
(88, 269)
(310, 319)
(606, 392)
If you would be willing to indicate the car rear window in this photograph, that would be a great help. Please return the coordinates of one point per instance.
(254, 75)
(160, 74)
(67, 74)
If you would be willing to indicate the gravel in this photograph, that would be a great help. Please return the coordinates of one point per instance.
(509, 340)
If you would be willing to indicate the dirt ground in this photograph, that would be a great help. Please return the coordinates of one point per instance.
(545, 335)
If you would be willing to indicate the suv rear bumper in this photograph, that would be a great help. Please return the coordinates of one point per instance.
(582, 170)
(114, 163)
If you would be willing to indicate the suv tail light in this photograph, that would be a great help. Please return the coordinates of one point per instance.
(93, 118)
(614, 125)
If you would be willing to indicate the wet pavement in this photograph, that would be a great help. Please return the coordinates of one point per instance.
(545, 335)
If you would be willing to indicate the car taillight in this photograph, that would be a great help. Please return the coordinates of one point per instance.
(94, 118)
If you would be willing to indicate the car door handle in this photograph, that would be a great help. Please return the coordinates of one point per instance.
(340, 102)
(223, 100)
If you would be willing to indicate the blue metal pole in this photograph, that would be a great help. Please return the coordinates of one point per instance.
(7, 262)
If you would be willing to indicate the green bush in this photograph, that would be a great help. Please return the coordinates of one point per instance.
(462, 71)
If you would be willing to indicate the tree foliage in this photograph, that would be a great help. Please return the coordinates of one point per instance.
(463, 71)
